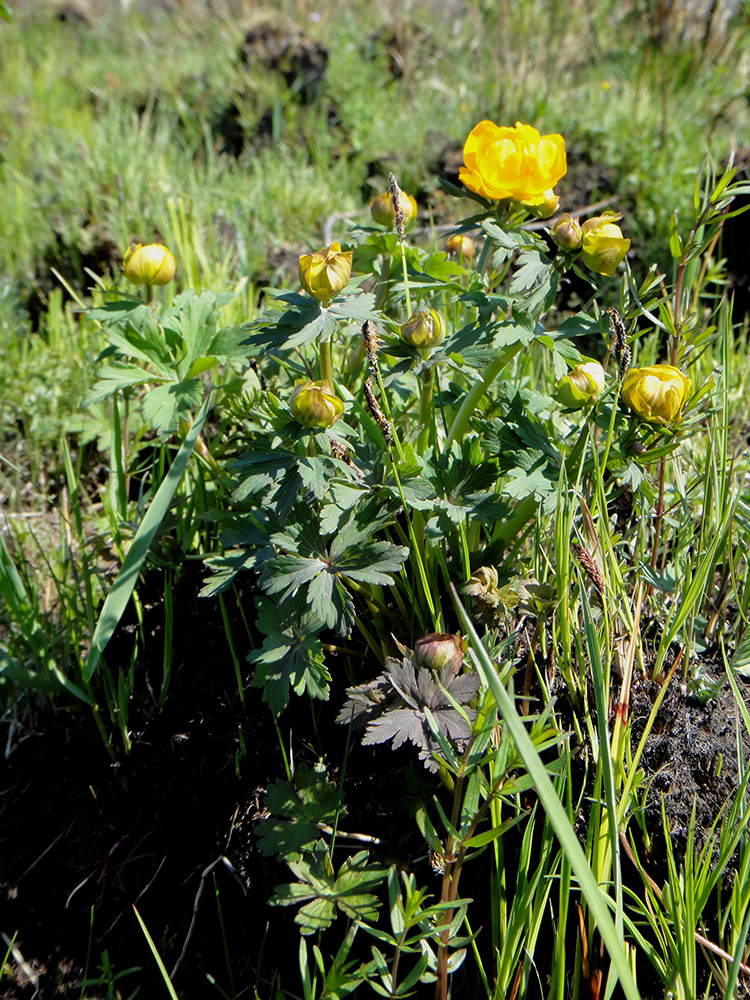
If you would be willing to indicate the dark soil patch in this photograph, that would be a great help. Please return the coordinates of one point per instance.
(690, 761)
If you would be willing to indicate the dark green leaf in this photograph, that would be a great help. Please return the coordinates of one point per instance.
(348, 891)
(291, 655)
(296, 810)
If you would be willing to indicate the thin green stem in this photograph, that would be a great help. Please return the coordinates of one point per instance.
(426, 410)
(477, 391)
(326, 361)
(437, 617)
(406, 280)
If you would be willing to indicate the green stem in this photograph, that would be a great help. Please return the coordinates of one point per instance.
(426, 410)
(472, 397)
(406, 281)
(326, 362)
(417, 555)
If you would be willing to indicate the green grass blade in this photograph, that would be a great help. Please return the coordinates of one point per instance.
(157, 956)
(552, 806)
(118, 597)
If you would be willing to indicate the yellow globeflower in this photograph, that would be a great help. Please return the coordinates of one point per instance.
(313, 404)
(517, 163)
(424, 330)
(383, 212)
(149, 265)
(656, 393)
(326, 272)
(604, 246)
(582, 386)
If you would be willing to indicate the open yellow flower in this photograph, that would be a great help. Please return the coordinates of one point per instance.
(518, 163)
(656, 393)
(326, 272)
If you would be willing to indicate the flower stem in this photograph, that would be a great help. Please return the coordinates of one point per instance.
(406, 280)
(426, 410)
(473, 396)
(326, 362)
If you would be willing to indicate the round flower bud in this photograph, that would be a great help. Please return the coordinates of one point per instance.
(313, 404)
(582, 386)
(603, 243)
(543, 209)
(656, 393)
(567, 233)
(461, 247)
(516, 163)
(439, 650)
(326, 272)
(149, 265)
(383, 212)
(424, 330)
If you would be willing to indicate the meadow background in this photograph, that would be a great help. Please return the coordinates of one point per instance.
(241, 137)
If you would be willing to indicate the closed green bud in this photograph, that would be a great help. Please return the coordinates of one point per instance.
(313, 404)
(424, 330)
(582, 386)
(440, 649)
(567, 233)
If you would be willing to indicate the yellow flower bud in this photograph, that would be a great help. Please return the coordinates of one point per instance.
(461, 247)
(313, 404)
(517, 163)
(582, 386)
(567, 233)
(326, 272)
(383, 212)
(149, 265)
(603, 243)
(656, 393)
(424, 330)
(544, 209)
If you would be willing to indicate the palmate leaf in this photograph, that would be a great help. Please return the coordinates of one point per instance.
(301, 323)
(348, 891)
(291, 655)
(525, 452)
(464, 484)
(278, 477)
(165, 405)
(297, 809)
(405, 703)
(141, 338)
(308, 564)
(532, 476)
(113, 378)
